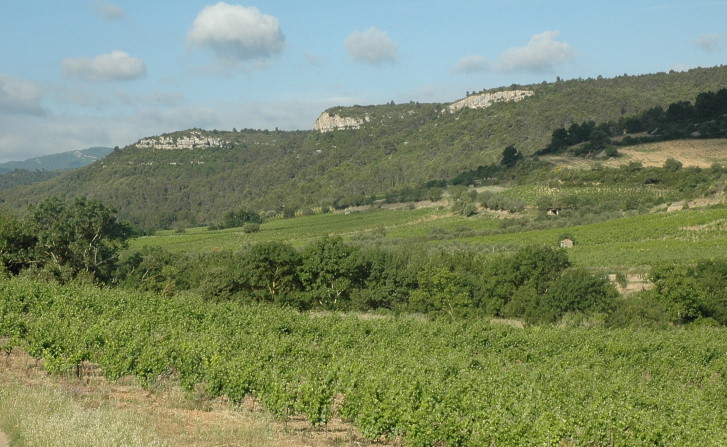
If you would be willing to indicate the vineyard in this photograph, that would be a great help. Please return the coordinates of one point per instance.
(642, 240)
(427, 382)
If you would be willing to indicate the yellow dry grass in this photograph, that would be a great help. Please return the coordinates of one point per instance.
(43, 410)
(692, 153)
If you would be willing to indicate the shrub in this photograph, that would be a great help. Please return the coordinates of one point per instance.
(251, 228)
(577, 290)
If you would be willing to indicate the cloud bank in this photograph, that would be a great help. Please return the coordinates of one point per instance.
(108, 11)
(472, 64)
(115, 66)
(372, 46)
(709, 42)
(236, 33)
(19, 96)
(542, 53)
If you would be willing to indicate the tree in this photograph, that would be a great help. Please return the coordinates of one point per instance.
(679, 290)
(270, 270)
(672, 164)
(442, 290)
(330, 271)
(240, 217)
(577, 290)
(78, 236)
(16, 244)
(558, 141)
(510, 156)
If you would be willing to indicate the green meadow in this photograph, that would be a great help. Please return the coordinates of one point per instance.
(638, 241)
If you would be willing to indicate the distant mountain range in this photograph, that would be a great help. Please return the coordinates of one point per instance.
(58, 162)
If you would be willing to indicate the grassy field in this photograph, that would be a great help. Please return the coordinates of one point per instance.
(692, 153)
(685, 236)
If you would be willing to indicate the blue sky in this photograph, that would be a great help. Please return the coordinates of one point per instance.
(75, 74)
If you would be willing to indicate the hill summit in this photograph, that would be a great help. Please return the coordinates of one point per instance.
(355, 153)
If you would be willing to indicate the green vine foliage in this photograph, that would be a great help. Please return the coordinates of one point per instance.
(451, 382)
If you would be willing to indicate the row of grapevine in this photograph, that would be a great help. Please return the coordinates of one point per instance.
(441, 382)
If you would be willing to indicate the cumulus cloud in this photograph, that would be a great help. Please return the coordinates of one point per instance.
(471, 64)
(708, 42)
(115, 66)
(542, 53)
(236, 33)
(19, 96)
(372, 46)
(108, 11)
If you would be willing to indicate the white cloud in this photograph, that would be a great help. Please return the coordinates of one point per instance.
(708, 42)
(236, 33)
(108, 11)
(372, 46)
(542, 53)
(19, 96)
(471, 64)
(116, 66)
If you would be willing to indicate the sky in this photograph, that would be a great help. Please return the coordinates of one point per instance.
(82, 73)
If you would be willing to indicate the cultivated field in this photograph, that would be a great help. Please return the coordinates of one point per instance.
(635, 242)
(422, 381)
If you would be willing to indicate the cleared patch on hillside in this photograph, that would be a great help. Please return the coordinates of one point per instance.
(692, 153)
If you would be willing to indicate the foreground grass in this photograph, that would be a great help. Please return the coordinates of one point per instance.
(44, 415)
(62, 410)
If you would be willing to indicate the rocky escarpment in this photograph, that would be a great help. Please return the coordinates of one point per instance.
(485, 100)
(327, 122)
(193, 140)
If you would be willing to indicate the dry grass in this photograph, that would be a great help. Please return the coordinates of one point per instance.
(692, 153)
(43, 410)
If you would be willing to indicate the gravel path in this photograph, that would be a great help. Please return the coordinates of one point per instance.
(4, 440)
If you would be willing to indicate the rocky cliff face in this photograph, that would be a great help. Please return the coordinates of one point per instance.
(327, 122)
(485, 100)
(194, 140)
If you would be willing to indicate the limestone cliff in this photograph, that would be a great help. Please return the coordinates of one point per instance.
(485, 100)
(193, 140)
(327, 122)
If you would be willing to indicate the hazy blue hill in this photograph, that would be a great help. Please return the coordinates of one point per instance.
(58, 162)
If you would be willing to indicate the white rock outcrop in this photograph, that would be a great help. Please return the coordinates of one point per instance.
(485, 100)
(327, 122)
(194, 140)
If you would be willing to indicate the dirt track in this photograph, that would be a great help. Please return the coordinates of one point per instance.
(4, 440)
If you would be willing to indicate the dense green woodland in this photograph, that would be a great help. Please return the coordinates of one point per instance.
(21, 177)
(403, 145)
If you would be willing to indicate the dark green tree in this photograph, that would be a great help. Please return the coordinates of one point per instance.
(441, 290)
(510, 156)
(330, 271)
(240, 217)
(75, 236)
(270, 270)
(16, 244)
(577, 290)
